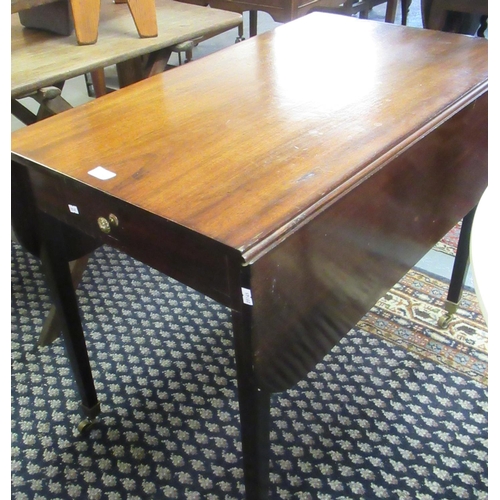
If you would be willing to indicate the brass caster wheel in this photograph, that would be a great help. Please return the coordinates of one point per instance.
(445, 320)
(85, 425)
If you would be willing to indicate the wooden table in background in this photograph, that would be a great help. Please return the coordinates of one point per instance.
(283, 11)
(85, 16)
(295, 196)
(41, 62)
(41, 59)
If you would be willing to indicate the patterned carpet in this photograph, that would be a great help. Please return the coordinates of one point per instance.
(398, 410)
(448, 244)
(408, 315)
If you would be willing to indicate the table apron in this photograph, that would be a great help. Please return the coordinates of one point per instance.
(197, 261)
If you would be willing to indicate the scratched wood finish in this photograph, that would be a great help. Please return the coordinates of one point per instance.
(40, 59)
(242, 146)
(356, 249)
(319, 187)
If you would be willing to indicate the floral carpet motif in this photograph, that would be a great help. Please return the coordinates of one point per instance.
(394, 411)
(448, 243)
(408, 316)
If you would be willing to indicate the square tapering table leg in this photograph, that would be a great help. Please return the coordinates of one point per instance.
(254, 414)
(57, 272)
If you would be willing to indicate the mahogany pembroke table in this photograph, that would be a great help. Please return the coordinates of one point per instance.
(293, 186)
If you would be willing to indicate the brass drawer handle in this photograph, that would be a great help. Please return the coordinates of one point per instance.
(105, 225)
(113, 220)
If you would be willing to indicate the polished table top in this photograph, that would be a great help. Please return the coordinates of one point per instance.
(40, 59)
(295, 194)
(274, 141)
(239, 151)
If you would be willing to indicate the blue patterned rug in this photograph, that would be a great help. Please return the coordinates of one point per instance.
(374, 420)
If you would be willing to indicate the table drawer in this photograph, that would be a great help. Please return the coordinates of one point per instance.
(195, 260)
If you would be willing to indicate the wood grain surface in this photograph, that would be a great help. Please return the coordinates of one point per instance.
(294, 186)
(314, 287)
(244, 146)
(144, 14)
(86, 20)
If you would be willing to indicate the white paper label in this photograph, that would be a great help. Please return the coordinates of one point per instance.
(73, 209)
(247, 296)
(102, 173)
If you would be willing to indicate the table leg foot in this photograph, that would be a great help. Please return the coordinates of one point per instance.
(459, 271)
(445, 320)
(88, 423)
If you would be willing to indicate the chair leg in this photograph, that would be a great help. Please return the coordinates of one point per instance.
(86, 20)
(405, 9)
(144, 14)
(390, 13)
(253, 22)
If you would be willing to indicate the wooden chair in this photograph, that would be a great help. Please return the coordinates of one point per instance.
(86, 16)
